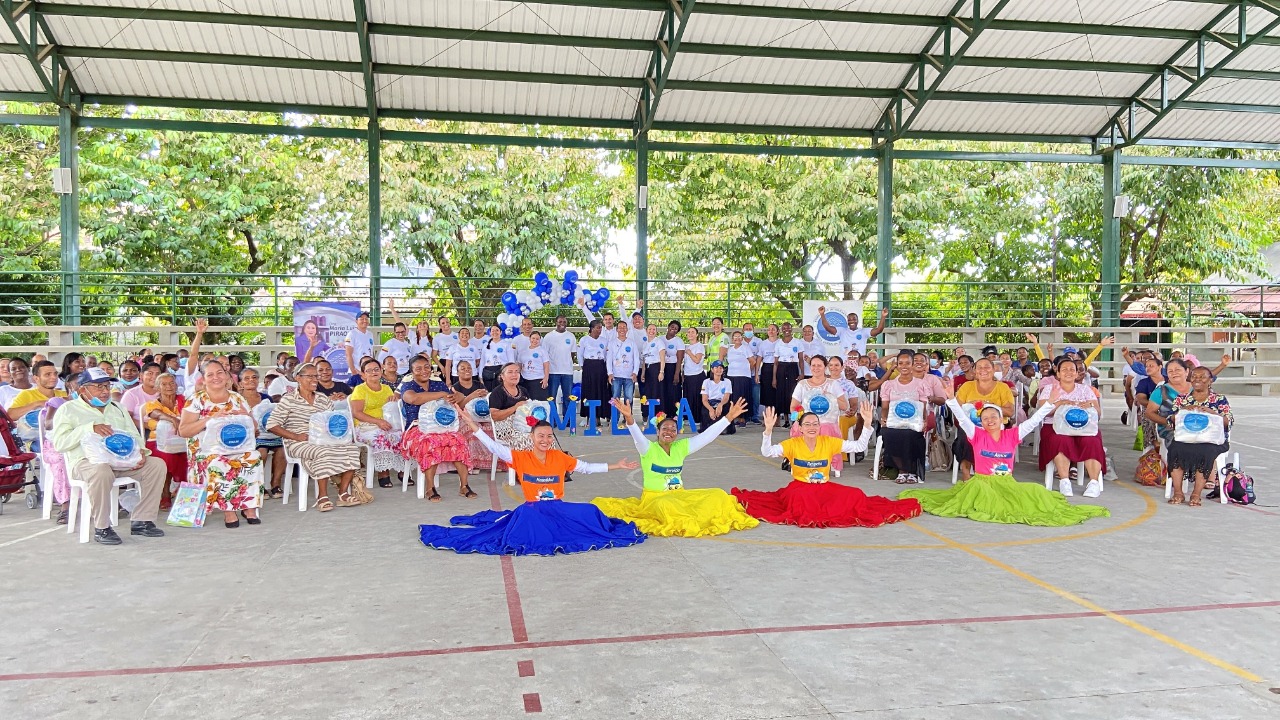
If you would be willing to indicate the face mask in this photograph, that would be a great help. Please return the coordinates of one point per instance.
(173, 372)
(97, 402)
(933, 362)
(73, 395)
(182, 363)
(128, 383)
(748, 334)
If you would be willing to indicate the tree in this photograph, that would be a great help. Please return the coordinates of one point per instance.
(29, 233)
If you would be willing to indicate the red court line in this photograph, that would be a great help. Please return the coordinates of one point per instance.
(624, 639)
(519, 633)
(525, 667)
(532, 703)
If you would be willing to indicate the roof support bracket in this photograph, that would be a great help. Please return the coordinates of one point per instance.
(674, 22)
(37, 43)
(366, 61)
(893, 125)
(1171, 101)
(1269, 5)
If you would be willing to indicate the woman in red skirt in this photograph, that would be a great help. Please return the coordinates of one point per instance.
(167, 408)
(1066, 450)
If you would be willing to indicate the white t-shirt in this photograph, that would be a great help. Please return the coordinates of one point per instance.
(739, 360)
(804, 392)
(499, 353)
(651, 351)
(670, 348)
(692, 368)
(811, 348)
(280, 386)
(789, 351)
(623, 358)
(7, 394)
(472, 353)
(715, 391)
(520, 343)
(361, 344)
(422, 346)
(441, 342)
(767, 350)
(532, 365)
(854, 339)
(560, 347)
(590, 348)
(399, 349)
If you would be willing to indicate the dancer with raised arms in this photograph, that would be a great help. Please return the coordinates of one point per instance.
(665, 507)
(992, 494)
(544, 524)
(811, 499)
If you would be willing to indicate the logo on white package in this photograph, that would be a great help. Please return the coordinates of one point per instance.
(906, 415)
(1191, 426)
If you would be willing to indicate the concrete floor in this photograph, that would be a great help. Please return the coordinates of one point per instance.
(1156, 612)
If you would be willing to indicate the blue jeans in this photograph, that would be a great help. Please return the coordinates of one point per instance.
(754, 413)
(560, 386)
(624, 389)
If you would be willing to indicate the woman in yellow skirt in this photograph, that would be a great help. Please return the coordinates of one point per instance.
(665, 508)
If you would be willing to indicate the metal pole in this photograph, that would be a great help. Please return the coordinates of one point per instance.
(375, 223)
(69, 217)
(1110, 285)
(642, 215)
(884, 227)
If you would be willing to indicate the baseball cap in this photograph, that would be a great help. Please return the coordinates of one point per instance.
(362, 313)
(1069, 350)
(94, 375)
(716, 364)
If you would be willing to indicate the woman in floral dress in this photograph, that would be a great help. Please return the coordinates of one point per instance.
(234, 482)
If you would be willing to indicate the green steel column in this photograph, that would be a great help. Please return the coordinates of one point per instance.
(1110, 277)
(884, 228)
(642, 215)
(69, 217)
(375, 223)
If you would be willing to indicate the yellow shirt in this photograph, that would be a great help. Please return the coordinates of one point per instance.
(811, 465)
(33, 394)
(1000, 395)
(373, 401)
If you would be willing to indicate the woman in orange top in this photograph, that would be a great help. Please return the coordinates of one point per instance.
(811, 499)
(544, 524)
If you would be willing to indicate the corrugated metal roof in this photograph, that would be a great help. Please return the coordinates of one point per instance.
(433, 52)
(322, 9)
(453, 95)
(1228, 126)
(493, 59)
(18, 74)
(220, 82)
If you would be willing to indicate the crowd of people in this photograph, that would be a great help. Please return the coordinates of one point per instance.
(830, 404)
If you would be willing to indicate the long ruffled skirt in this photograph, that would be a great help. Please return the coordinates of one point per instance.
(680, 513)
(431, 449)
(384, 447)
(826, 504)
(534, 528)
(1002, 499)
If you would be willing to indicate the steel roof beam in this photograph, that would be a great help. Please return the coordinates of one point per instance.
(366, 60)
(781, 13)
(892, 124)
(1141, 114)
(670, 33)
(56, 76)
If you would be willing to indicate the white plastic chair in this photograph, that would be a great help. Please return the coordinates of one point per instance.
(1219, 466)
(1080, 476)
(304, 480)
(80, 500)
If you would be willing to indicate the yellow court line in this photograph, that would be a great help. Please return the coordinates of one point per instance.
(1146, 515)
(1094, 607)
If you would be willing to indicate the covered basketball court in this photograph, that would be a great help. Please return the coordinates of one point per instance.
(1155, 612)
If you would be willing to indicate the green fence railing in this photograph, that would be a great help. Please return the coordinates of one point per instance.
(34, 299)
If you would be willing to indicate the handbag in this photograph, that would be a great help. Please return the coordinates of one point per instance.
(1073, 421)
(190, 504)
(906, 415)
(1193, 426)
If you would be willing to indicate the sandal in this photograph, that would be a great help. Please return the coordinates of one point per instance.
(1177, 500)
(276, 492)
(385, 482)
(346, 500)
(434, 496)
(1195, 502)
(323, 503)
(467, 492)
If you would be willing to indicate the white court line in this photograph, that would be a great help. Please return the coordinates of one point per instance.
(24, 522)
(1255, 447)
(42, 532)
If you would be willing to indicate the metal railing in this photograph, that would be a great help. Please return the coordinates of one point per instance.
(150, 299)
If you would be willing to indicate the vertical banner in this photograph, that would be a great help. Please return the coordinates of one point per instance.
(837, 310)
(319, 328)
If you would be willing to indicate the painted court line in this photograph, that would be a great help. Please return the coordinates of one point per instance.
(28, 537)
(515, 611)
(1094, 607)
(626, 639)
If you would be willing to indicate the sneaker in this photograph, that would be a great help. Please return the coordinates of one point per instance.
(145, 529)
(1093, 489)
(1064, 487)
(106, 536)
(786, 464)
(835, 473)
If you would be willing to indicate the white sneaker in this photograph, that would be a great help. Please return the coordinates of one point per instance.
(835, 473)
(1093, 489)
(1064, 487)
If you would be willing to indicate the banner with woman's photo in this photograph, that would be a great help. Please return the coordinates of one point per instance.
(319, 328)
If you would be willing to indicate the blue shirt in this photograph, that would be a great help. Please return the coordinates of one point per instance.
(411, 385)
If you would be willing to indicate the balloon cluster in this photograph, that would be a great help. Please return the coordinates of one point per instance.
(519, 304)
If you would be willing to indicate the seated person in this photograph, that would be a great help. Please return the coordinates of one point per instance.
(93, 412)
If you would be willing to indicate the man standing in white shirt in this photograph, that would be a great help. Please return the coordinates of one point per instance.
(623, 361)
(358, 343)
(520, 343)
(637, 318)
(852, 337)
(560, 345)
(399, 348)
